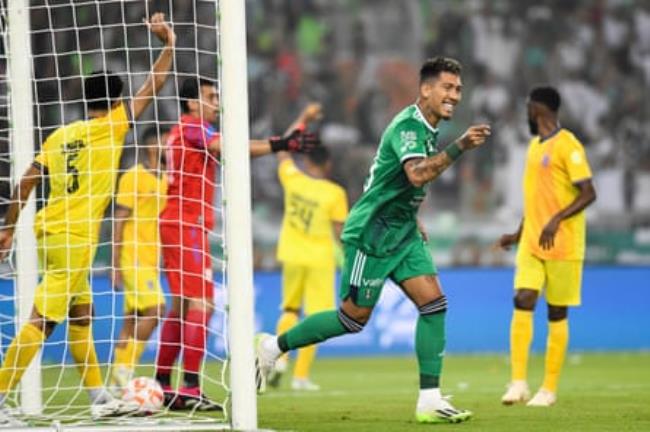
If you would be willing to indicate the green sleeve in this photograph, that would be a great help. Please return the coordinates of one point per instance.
(408, 140)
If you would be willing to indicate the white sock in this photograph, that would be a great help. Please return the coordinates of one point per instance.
(271, 345)
(427, 398)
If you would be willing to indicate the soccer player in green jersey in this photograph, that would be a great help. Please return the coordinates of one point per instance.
(382, 239)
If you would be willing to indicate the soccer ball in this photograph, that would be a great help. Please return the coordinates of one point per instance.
(146, 392)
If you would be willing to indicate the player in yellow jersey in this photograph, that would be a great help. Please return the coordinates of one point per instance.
(81, 161)
(140, 199)
(551, 243)
(315, 209)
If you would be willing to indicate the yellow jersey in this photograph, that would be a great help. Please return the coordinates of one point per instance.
(144, 193)
(310, 207)
(553, 166)
(81, 159)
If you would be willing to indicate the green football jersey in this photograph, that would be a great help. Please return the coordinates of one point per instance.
(383, 220)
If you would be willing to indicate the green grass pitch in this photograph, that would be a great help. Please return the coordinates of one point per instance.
(598, 392)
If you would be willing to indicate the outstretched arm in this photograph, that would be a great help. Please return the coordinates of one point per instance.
(19, 198)
(586, 196)
(160, 70)
(423, 170)
(294, 141)
(257, 147)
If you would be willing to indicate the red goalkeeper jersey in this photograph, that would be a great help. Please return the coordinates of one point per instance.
(191, 171)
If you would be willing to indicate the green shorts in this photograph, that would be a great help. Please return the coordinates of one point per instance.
(363, 276)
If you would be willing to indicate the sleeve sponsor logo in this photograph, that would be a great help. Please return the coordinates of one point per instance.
(408, 140)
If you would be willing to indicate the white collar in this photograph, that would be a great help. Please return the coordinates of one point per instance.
(424, 119)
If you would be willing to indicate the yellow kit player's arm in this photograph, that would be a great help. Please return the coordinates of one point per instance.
(125, 202)
(122, 214)
(159, 72)
(19, 198)
(508, 240)
(586, 196)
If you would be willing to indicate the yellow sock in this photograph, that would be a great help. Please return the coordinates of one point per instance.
(129, 356)
(556, 347)
(120, 358)
(304, 361)
(521, 334)
(82, 348)
(285, 323)
(19, 355)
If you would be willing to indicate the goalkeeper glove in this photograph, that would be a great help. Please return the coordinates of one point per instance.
(296, 141)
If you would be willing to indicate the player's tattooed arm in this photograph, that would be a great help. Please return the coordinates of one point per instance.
(423, 170)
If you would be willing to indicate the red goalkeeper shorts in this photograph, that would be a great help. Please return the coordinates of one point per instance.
(186, 258)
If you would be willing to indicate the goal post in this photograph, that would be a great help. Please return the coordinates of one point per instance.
(237, 194)
(22, 137)
(47, 60)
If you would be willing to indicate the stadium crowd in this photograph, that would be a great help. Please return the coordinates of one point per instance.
(359, 59)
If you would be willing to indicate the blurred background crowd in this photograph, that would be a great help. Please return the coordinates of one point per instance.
(360, 59)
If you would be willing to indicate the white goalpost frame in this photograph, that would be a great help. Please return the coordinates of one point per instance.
(237, 197)
(22, 144)
(233, 87)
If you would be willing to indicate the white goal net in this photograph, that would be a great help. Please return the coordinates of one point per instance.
(67, 42)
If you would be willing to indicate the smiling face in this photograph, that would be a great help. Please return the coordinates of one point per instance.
(439, 95)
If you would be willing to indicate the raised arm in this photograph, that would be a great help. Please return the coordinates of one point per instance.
(19, 198)
(160, 70)
(311, 113)
(423, 170)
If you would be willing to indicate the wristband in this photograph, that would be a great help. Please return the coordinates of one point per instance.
(278, 144)
(453, 151)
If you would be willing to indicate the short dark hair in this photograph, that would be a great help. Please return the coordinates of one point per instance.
(546, 95)
(434, 66)
(319, 156)
(190, 90)
(101, 89)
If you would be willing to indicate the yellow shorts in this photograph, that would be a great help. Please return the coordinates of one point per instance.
(562, 279)
(65, 260)
(142, 288)
(309, 288)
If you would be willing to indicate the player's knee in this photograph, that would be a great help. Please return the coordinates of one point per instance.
(436, 306)
(557, 313)
(42, 323)
(350, 324)
(525, 299)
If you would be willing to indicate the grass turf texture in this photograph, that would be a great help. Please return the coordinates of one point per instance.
(598, 392)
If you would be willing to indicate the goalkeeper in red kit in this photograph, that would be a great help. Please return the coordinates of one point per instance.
(192, 156)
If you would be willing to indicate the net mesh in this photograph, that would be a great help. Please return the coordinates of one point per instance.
(69, 41)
